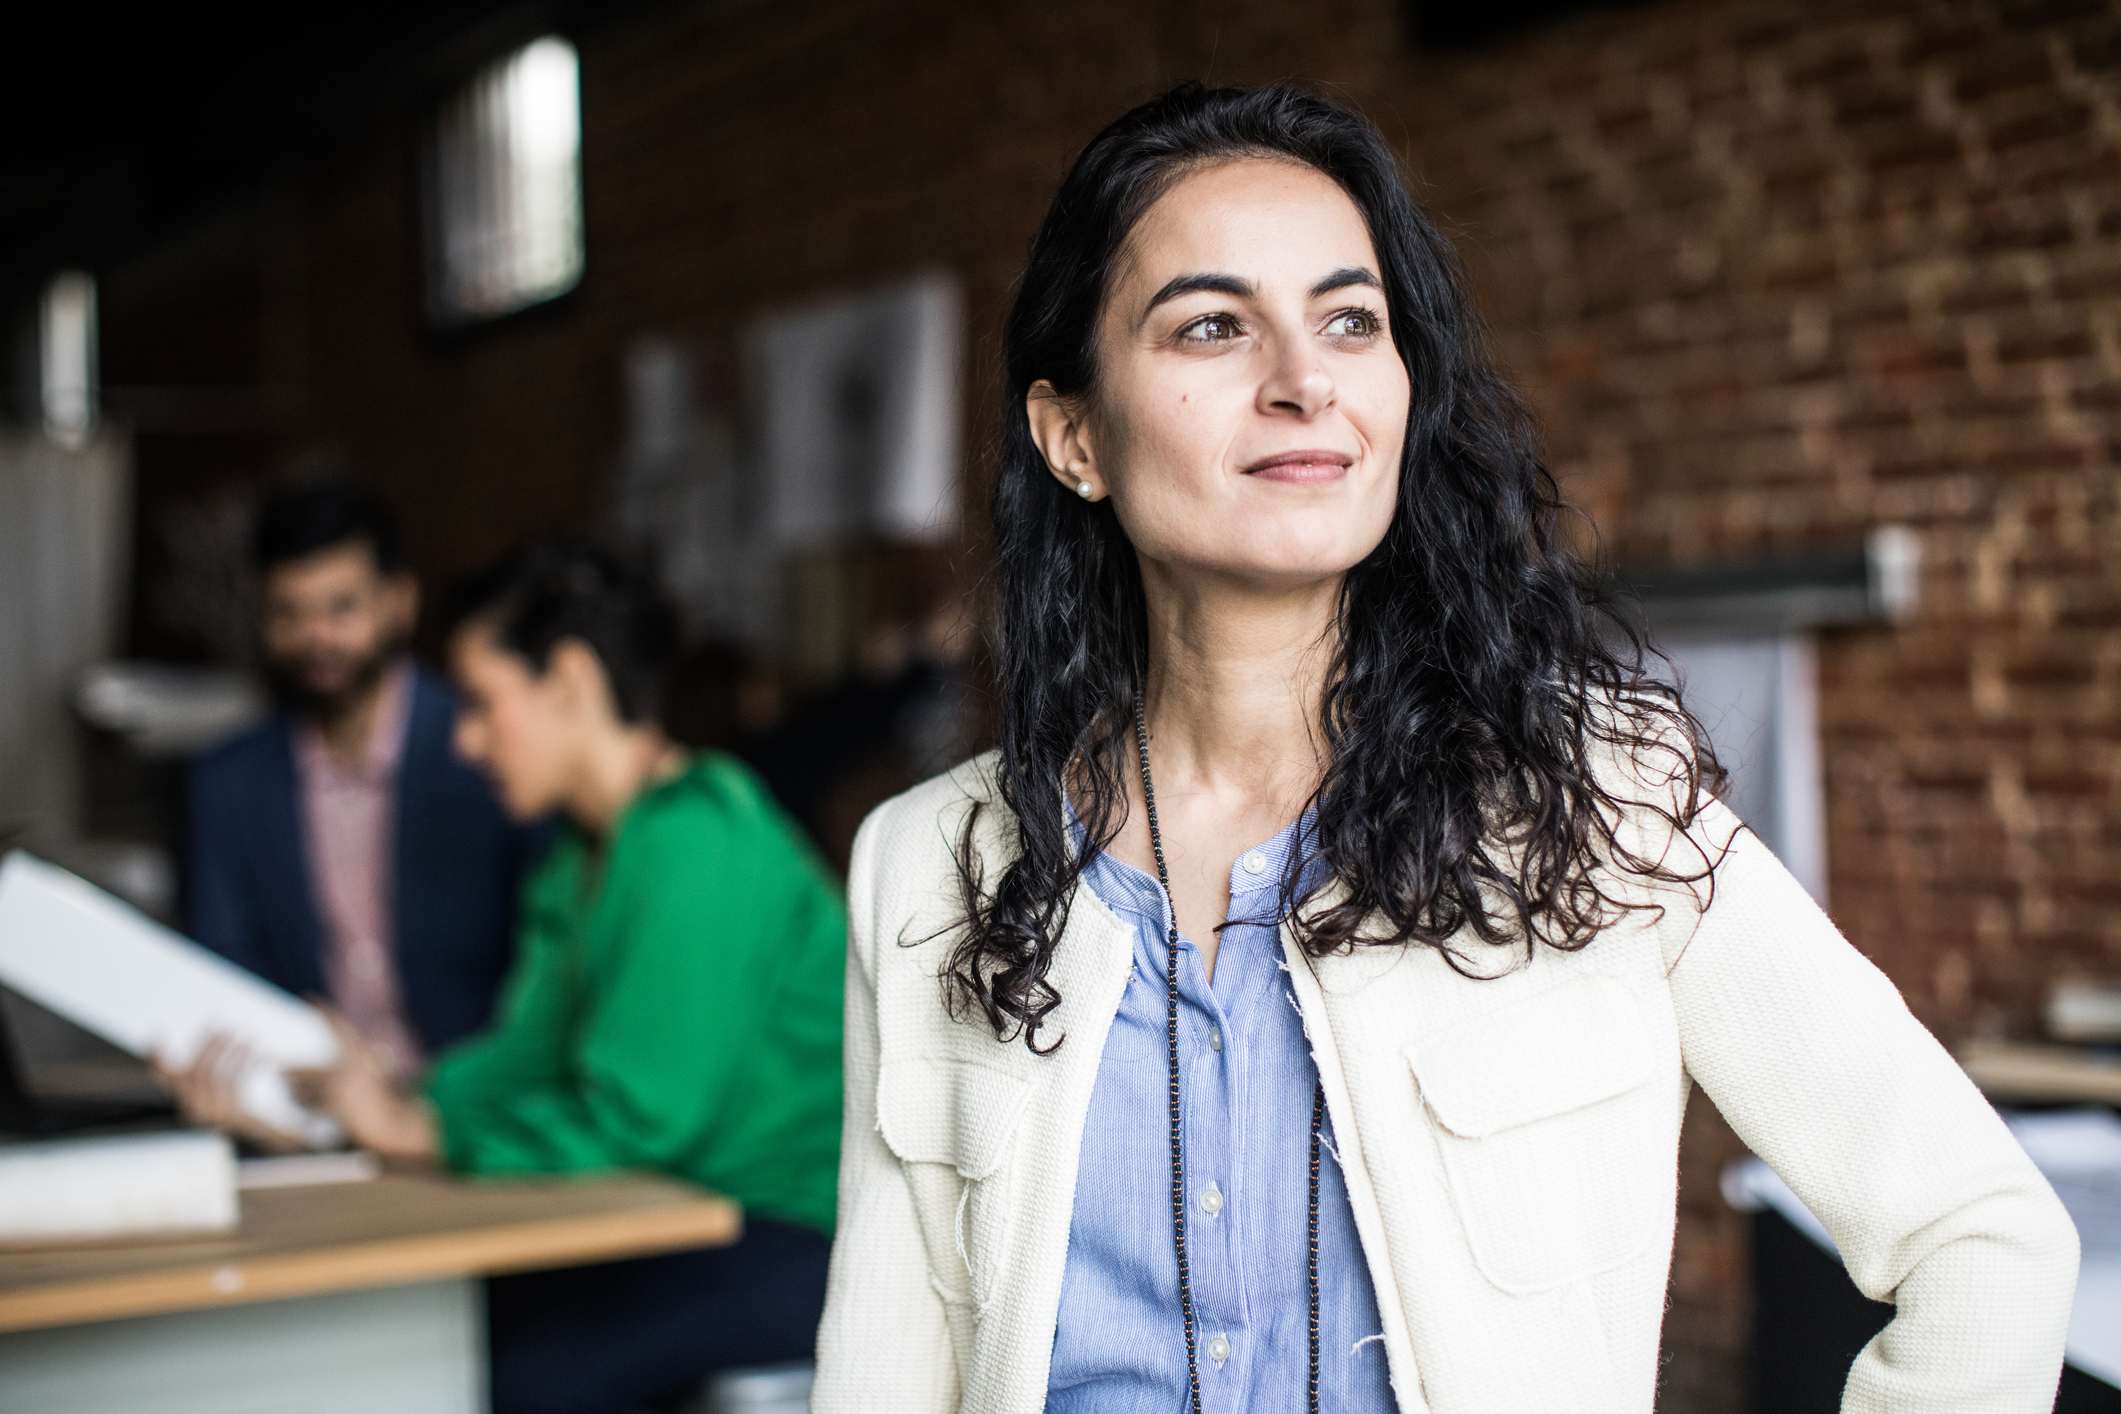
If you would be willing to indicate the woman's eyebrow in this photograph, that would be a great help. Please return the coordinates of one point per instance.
(1212, 282)
(1205, 281)
(1346, 277)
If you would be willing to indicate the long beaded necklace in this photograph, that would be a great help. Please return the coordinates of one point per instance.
(1178, 1168)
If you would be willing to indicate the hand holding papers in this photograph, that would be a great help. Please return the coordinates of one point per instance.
(210, 1092)
(77, 951)
(358, 1092)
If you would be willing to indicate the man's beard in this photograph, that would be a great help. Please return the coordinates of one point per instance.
(324, 708)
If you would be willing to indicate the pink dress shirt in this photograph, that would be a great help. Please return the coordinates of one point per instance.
(349, 812)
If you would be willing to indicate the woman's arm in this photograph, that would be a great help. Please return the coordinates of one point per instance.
(523, 1049)
(883, 1343)
(358, 1093)
(1812, 1055)
(618, 1059)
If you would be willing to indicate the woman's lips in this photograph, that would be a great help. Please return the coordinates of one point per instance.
(1308, 465)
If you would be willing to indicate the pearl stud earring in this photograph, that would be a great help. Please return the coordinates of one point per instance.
(1082, 489)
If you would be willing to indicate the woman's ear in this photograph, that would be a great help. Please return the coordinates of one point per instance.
(576, 677)
(1062, 436)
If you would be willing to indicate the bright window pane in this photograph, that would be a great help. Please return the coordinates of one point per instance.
(67, 357)
(505, 187)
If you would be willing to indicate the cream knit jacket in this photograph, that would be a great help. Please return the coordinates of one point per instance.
(1510, 1145)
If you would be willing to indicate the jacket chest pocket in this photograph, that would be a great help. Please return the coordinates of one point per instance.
(951, 1121)
(1550, 1135)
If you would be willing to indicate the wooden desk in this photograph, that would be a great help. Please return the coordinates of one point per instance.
(334, 1296)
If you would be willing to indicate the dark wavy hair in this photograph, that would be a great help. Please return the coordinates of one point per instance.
(1462, 704)
(540, 595)
(308, 519)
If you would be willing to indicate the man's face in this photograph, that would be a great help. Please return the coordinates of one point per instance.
(333, 622)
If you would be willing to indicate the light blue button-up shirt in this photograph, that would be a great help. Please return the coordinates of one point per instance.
(1245, 1080)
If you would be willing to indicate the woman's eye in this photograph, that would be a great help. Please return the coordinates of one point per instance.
(1354, 324)
(1209, 329)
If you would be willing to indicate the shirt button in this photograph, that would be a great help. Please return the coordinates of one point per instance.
(1215, 1039)
(1211, 1202)
(1219, 1349)
(1255, 863)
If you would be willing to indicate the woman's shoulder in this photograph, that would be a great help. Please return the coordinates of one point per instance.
(944, 797)
(713, 794)
(912, 842)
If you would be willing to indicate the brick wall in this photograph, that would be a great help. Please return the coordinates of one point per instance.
(1774, 272)
(1770, 272)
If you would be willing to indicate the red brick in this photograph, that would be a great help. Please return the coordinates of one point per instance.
(2046, 124)
(2006, 73)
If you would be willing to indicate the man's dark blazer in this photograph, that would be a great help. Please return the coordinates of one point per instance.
(456, 863)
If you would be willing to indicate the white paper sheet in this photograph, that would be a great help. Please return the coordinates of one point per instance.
(305, 1170)
(106, 967)
(78, 1190)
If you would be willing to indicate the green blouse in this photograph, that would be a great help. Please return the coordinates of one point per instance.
(673, 1006)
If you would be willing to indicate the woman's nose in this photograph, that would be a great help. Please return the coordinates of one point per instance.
(1298, 383)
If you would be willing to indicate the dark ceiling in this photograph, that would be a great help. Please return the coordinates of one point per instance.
(119, 125)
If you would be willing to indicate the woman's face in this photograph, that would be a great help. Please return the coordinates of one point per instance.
(516, 725)
(1250, 407)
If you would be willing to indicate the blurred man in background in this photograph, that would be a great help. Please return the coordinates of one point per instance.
(340, 848)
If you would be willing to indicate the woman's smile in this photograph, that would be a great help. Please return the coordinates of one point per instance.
(1307, 466)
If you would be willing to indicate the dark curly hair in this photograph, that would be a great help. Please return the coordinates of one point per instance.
(541, 595)
(1463, 704)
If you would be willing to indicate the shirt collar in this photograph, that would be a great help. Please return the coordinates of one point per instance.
(386, 739)
(1254, 893)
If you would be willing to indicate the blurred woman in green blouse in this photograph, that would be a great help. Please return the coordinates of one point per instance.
(675, 1004)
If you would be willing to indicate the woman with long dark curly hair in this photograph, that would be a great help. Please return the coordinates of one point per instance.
(1298, 1008)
